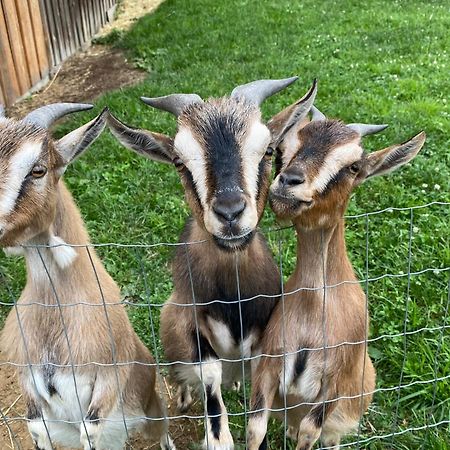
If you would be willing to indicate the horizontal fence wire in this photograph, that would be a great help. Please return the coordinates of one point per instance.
(433, 416)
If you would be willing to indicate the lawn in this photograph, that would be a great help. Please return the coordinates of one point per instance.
(380, 61)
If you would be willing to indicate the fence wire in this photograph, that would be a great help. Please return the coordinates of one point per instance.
(409, 397)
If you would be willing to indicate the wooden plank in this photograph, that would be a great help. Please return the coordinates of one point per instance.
(41, 42)
(91, 16)
(8, 77)
(15, 41)
(53, 32)
(84, 23)
(66, 20)
(97, 19)
(28, 40)
(77, 24)
(58, 12)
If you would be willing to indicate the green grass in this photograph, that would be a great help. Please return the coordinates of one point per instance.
(381, 61)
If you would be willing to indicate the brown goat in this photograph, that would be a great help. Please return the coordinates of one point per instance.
(222, 151)
(68, 330)
(326, 378)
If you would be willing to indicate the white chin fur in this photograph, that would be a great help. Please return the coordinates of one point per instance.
(63, 254)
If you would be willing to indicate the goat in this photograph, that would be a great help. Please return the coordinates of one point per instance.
(222, 151)
(68, 331)
(326, 378)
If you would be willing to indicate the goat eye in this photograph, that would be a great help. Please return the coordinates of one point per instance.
(178, 163)
(269, 151)
(354, 168)
(38, 171)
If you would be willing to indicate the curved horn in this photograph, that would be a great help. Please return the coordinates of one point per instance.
(257, 91)
(316, 114)
(174, 103)
(364, 129)
(45, 116)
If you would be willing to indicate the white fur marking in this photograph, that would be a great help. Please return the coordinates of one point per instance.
(254, 147)
(63, 254)
(337, 159)
(193, 156)
(20, 165)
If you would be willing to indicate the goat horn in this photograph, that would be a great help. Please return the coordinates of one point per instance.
(257, 91)
(45, 116)
(316, 114)
(174, 103)
(364, 129)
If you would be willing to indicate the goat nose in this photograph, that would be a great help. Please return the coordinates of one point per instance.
(291, 179)
(229, 207)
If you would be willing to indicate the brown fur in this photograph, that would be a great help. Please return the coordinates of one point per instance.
(316, 318)
(45, 320)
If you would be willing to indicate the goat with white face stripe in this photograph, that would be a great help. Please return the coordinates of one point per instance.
(325, 329)
(61, 317)
(222, 151)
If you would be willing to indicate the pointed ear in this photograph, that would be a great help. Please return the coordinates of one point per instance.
(292, 118)
(391, 158)
(75, 143)
(156, 146)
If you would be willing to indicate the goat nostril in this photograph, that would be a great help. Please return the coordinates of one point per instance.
(291, 179)
(229, 211)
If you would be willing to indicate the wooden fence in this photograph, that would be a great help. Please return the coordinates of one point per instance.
(38, 35)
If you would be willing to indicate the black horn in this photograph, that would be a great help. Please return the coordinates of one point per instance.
(45, 116)
(174, 103)
(257, 91)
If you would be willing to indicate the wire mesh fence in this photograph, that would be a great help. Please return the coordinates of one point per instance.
(402, 264)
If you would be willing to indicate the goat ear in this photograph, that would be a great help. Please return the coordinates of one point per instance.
(156, 146)
(391, 158)
(292, 118)
(76, 142)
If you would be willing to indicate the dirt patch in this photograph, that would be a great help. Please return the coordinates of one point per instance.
(88, 74)
(84, 77)
(128, 12)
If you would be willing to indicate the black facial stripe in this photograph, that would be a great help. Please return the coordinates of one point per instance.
(23, 187)
(224, 168)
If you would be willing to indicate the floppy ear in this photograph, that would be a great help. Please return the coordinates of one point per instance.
(76, 142)
(156, 146)
(389, 159)
(291, 119)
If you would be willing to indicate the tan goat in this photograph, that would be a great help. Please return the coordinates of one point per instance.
(327, 378)
(68, 330)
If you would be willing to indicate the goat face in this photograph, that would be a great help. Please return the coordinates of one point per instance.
(31, 164)
(316, 180)
(321, 165)
(222, 152)
(27, 200)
